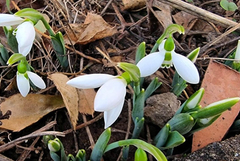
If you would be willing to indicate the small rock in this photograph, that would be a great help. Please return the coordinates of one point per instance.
(160, 108)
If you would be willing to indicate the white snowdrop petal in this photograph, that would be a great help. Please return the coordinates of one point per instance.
(90, 80)
(23, 84)
(150, 63)
(110, 95)
(111, 116)
(36, 80)
(25, 36)
(185, 68)
(9, 20)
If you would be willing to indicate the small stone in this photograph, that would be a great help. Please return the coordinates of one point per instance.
(160, 108)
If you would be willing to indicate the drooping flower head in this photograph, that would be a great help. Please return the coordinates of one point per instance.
(25, 32)
(166, 57)
(23, 77)
(111, 94)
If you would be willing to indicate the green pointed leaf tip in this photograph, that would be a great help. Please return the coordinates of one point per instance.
(31, 14)
(169, 44)
(132, 70)
(194, 100)
(15, 58)
(140, 155)
(101, 145)
(161, 138)
(193, 55)
(215, 108)
(141, 52)
(175, 139)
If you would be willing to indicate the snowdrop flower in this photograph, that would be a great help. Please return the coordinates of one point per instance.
(166, 57)
(25, 32)
(25, 35)
(23, 77)
(110, 96)
(10, 20)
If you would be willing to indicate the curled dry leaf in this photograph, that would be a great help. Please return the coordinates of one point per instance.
(28, 110)
(93, 28)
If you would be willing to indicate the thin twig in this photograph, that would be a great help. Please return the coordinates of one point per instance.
(199, 12)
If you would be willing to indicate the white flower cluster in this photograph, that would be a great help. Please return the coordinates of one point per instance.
(25, 35)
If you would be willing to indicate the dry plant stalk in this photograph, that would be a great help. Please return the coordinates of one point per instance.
(133, 4)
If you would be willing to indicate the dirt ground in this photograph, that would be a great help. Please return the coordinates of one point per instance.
(128, 28)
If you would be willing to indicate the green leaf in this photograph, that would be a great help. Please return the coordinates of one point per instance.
(100, 145)
(228, 6)
(59, 48)
(174, 139)
(161, 138)
(152, 87)
(31, 14)
(138, 126)
(138, 105)
(193, 55)
(215, 108)
(154, 151)
(182, 123)
(178, 84)
(141, 52)
(140, 155)
(54, 156)
(15, 58)
(8, 5)
(132, 70)
(81, 155)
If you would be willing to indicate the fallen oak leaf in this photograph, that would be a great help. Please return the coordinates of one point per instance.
(28, 110)
(93, 28)
(69, 95)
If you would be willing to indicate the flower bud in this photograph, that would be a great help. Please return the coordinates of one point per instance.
(140, 155)
(54, 145)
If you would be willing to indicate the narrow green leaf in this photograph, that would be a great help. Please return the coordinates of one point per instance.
(161, 138)
(100, 145)
(138, 126)
(154, 151)
(8, 6)
(152, 87)
(141, 52)
(138, 105)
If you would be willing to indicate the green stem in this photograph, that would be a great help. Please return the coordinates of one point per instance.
(48, 27)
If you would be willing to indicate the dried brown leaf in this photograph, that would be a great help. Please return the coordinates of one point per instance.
(28, 110)
(93, 28)
(86, 103)
(163, 15)
(69, 94)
